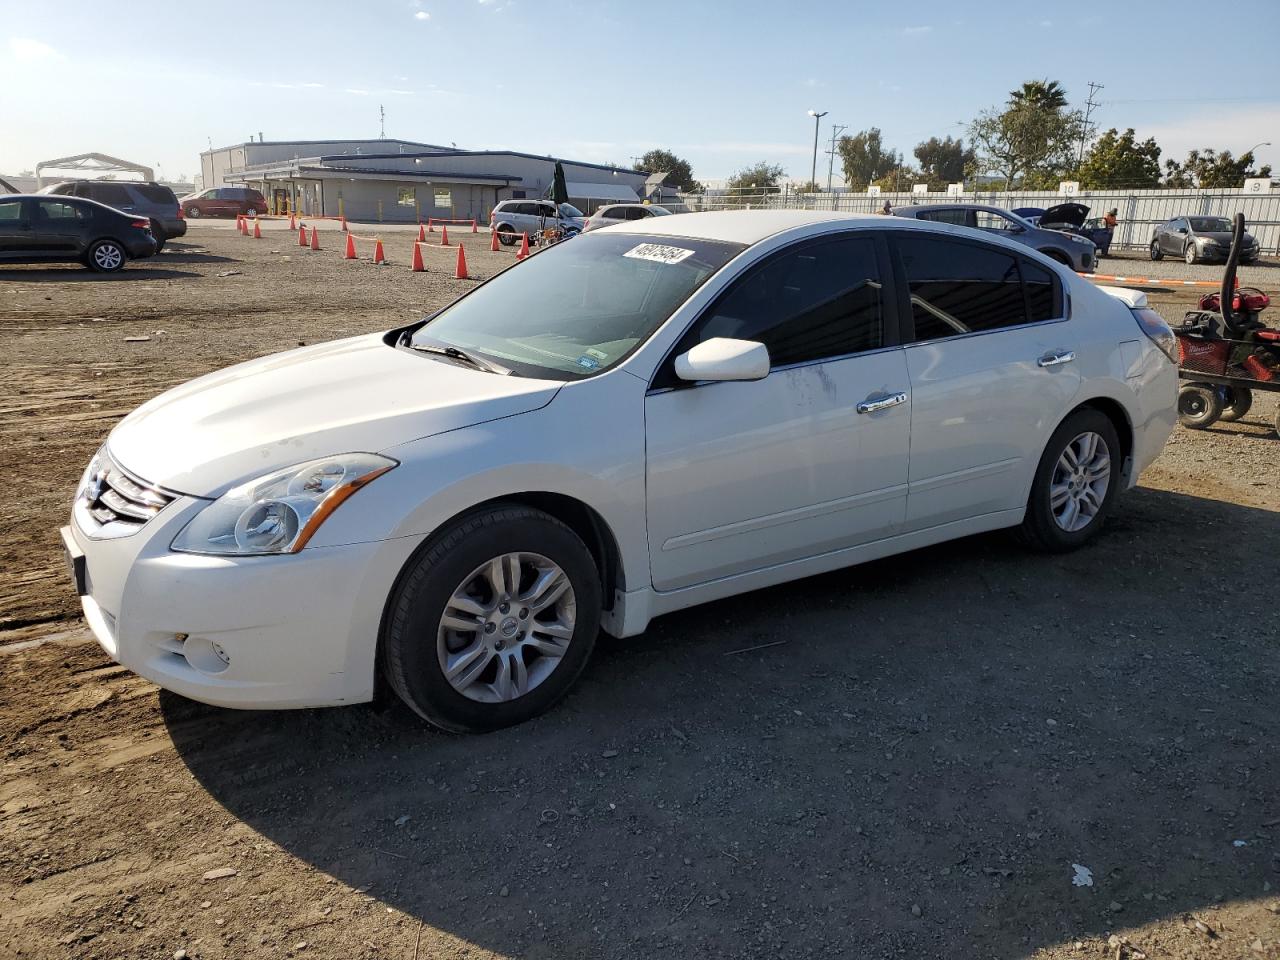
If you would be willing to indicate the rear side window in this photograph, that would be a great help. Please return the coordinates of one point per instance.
(959, 217)
(1042, 292)
(156, 193)
(817, 301)
(614, 213)
(57, 210)
(112, 194)
(961, 287)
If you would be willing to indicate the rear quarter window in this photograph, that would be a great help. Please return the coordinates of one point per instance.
(112, 194)
(156, 193)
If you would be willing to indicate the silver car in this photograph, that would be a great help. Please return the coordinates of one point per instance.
(607, 216)
(511, 218)
(1078, 253)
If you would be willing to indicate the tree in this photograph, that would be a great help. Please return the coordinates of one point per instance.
(944, 161)
(900, 179)
(1117, 160)
(807, 187)
(1031, 140)
(679, 172)
(864, 158)
(761, 177)
(1206, 168)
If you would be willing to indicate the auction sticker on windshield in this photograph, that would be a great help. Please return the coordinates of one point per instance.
(658, 252)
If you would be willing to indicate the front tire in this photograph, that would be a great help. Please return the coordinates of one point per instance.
(1156, 252)
(1075, 484)
(507, 236)
(1189, 254)
(1199, 405)
(192, 213)
(106, 256)
(493, 621)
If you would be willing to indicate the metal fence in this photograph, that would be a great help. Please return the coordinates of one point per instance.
(1139, 211)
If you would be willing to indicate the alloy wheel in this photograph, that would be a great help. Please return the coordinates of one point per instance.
(506, 627)
(1080, 480)
(108, 256)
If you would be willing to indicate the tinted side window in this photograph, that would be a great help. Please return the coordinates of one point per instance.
(959, 217)
(958, 287)
(1041, 288)
(56, 210)
(112, 194)
(817, 301)
(10, 210)
(156, 193)
(613, 213)
(986, 220)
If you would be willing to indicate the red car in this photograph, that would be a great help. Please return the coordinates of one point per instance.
(223, 202)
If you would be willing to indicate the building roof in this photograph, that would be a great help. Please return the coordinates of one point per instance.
(305, 170)
(286, 143)
(601, 191)
(489, 153)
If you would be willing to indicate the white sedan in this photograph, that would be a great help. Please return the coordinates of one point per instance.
(650, 417)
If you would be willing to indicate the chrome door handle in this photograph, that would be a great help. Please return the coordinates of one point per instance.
(882, 403)
(1056, 358)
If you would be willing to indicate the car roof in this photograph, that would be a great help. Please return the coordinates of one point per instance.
(740, 226)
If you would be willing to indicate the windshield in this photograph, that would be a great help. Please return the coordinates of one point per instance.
(1210, 225)
(580, 306)
(569, 210)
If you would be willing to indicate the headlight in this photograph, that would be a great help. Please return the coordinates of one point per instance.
(91, 472)
(279, 512)
(1074, 239)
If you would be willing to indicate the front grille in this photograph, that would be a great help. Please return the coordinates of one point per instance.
(116, 503)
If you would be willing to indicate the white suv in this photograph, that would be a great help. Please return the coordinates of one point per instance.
(514, 217)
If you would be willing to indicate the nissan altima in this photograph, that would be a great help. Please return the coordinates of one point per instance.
(653, 416)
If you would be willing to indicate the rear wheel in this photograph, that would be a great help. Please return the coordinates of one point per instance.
(494, 621)
(157, 231)
(1199, 405)
(1156, 252)
(192, 213)
(1236, 402)
(1189, 254)
(106, 256)
(1075, 483)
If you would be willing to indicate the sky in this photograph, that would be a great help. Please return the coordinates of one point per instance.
(724, 85)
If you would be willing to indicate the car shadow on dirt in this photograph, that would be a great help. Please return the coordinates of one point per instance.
(911, 760)
(175, 252)
(75, 274)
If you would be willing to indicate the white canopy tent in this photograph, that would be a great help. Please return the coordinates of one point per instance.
(90, 166)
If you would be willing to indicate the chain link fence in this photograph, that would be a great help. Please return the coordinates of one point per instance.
(1139, 212)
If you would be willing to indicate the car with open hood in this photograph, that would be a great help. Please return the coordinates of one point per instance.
(1076, 252)
(660, 414)
(1073, 218)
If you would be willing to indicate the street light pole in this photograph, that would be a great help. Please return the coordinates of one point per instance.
(813, 176)
(1264, 143)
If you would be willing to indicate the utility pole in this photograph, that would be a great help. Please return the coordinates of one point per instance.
(836, 130)
(813, 176)
(382, 123)
(1089, 106)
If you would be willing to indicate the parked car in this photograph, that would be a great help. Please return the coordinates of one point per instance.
(224, 202)
(1071, 218)
(1078, 253)
(45, 229)
(1200, 239)
(514, 217)
(664, 413)
(615, 213)
(154, 201)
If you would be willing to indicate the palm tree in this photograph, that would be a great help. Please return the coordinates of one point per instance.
(1045, 93)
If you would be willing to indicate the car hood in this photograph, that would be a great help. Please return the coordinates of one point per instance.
(356, 395)
(1069, 213)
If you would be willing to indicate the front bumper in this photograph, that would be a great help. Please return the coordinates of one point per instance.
(254, 632)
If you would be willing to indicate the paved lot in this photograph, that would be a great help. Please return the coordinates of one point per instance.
(910, 763)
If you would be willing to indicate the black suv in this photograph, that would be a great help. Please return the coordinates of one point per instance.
(151, 200)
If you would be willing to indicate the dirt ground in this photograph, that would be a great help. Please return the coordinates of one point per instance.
(912, 766)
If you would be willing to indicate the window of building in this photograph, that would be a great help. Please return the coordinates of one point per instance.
(444, 198)
(406, 197)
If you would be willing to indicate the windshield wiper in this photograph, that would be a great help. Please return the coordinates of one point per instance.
(457, 353)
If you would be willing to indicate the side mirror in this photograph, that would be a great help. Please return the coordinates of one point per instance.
(722, 358)
(1182, 229)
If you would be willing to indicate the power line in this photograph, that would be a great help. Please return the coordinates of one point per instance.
(836, 130)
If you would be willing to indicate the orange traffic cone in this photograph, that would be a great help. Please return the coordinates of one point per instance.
(418, 266)
(351, 247)
(493, 240)
(474, 229)
(377, 252)
(444, 235)
(240, 223)
(524, 246)
(302, 235)
(257, 230)
(460, 271)
(422, 233)
(344, 223)
(431, 225)
(315, 239)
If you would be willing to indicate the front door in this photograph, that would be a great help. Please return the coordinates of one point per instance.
(17, 238)
(745, 475)
(992, 373)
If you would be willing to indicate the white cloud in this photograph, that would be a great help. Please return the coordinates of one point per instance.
(916, 31)
(422, 15)
(356, 91)
(27, 50)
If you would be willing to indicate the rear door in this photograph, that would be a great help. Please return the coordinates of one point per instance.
(745, 475)
(17, 239)
(991, 362)
(60, 227)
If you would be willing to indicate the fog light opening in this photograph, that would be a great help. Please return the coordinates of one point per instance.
(206, 655)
